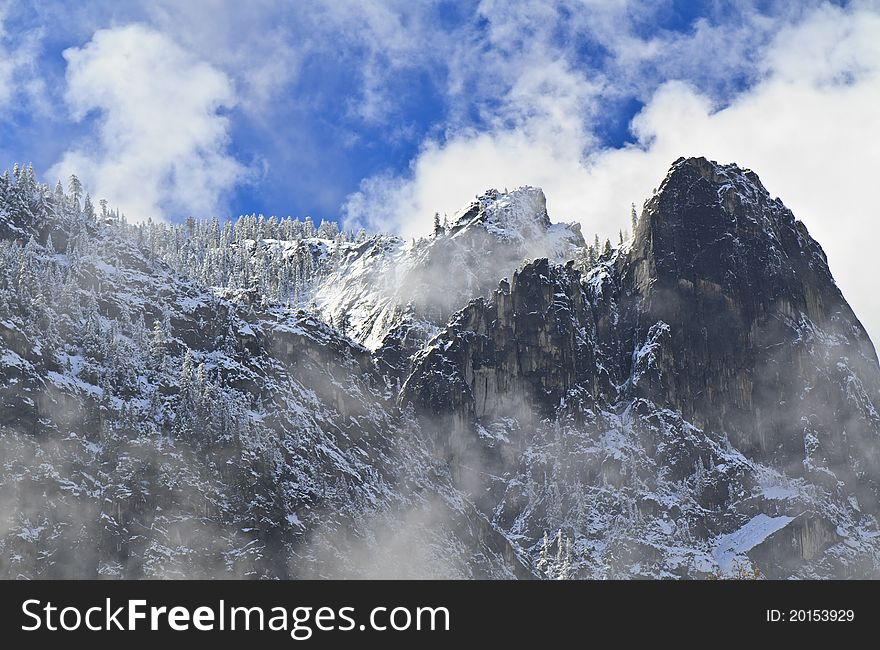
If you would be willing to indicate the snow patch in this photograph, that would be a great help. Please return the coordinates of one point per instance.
(733, 545)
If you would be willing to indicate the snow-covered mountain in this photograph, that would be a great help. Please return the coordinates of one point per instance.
(274, 399)
(706, 376)
(386, 282)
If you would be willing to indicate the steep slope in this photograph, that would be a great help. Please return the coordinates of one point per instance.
(152, 428)
(717, 336)
(761, 345)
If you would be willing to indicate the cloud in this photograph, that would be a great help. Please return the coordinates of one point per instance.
(264, 46)
(806, 124)
(259, 44)
(19, 79)
(537, 145)
(160, 142)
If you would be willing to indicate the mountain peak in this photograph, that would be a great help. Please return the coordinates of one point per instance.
(733, 274)
(726, 178)
(518, 214)
(716, 223)
(488, 239)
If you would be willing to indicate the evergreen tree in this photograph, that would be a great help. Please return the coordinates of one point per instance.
(560, 567)
(75, 189)
(58, 195)
(544, 558)
(186, 371)
(201, 378)
(89, 209)
(328, 230)
(158, 346)
(308, 228)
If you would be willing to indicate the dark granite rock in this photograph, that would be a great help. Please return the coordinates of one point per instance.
(722, 308)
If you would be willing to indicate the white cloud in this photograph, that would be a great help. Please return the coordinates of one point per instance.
(161, 140)
(538, 137)
(252, 42)
(264, 44)
(18, 75)
(808, 126)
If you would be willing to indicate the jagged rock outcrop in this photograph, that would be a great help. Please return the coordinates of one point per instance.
(761, 344)
(524, 353)
(722, 307)
(722, 310)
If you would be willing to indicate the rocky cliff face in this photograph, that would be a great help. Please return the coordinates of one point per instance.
(523, 353)
(721, 309)
(761, 343)
(699, 402)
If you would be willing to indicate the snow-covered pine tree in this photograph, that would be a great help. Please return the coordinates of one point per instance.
(543, 564)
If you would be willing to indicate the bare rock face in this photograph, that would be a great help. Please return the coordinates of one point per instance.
(521, 354)
(721, 310)
(759, 341)
(802, 539)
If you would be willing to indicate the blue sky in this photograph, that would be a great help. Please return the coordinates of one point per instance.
(379, 113)
(347, 90)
